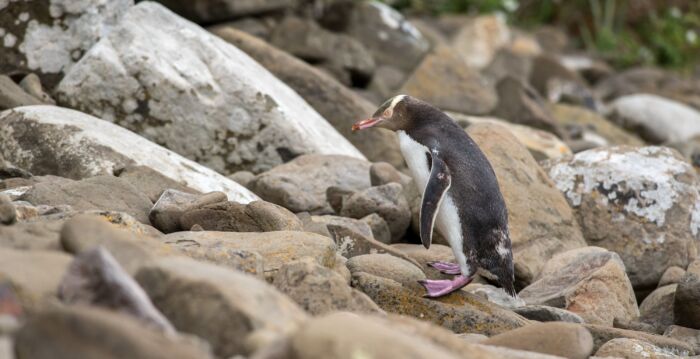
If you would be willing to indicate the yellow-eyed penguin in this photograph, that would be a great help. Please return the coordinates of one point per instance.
(460, 193)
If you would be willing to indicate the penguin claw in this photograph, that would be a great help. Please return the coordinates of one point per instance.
(446, 267)
(439, 288)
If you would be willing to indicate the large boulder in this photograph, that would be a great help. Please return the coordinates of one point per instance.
(223, 306)
(641, 202)
(47, 37)
(541, 222)
(182, 87)
(49, 140)
(217, 10)
(590, 282)
(339, 105)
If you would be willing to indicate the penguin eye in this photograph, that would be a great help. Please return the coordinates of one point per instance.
(387, 113)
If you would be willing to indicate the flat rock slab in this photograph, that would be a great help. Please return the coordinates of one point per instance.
(180, 86)
(57, 141)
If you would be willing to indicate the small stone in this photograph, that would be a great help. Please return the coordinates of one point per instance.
(544, 313)
(686, 311)
(11, 95)
(380, 229)
(8, 214)
(686, 335)
(672, 275)
(150, 182)
(658, 307)
(436, 253)
(172, 204)
(632, 349)
(387, 201)
(243, 178)
(494, 295)
(521, 104)
(387, 266)
(31, 84)
(563, 339)
(381, 173)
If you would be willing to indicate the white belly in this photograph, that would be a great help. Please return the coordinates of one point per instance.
(447, 221)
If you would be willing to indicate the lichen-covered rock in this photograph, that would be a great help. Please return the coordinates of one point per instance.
(47, 37)
(686, 335)
(216, 10)
(641, 202)
(590, 282)
(182, 87)
(49, 140)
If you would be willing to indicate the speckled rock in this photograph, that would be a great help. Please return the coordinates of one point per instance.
(168, 210)
(63, 142)
(480, 38)
(633, 349)
(69, 27)
(200, 103)
(436, 253)
(563, 339)
(590, 282)
(11, 95)
(641, 202)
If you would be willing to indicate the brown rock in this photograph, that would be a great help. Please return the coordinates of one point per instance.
(36, 235)
(11, 95)
(387, 201)
(521, 104)
(685, 301)
(8, 214)
(563, 339)
(436, 253)
(685, 335)
(657, 308)
(33, 283)
(387, 266)
(603, 334)
(380, 229)
(150, 182)
(256, 216)
(172, 204)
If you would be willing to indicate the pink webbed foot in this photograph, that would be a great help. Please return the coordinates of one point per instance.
(446, 267)
(438, 288)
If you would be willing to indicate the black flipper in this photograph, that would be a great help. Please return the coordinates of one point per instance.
(435, 190)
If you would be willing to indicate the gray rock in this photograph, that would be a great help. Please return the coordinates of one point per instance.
(380, 229)
(256, 216)
(33, 235)
(172, 204)
(71, 144)
(351, 224)
(242, 177)
(381, 173)
(319, 290)
(31, 84)
(687, 294)
(150, 182)
(70, 27)
(651, 226)
(300, 185)
(253, 121)
(550, 77)
(563, 339)
(208, 11)
(603, 334)
(387, 266)
(436, 253)
(657, 308)
(223, 306)
(11, 95)
(37, 283)
(478, 39)
(387, 201)
(8, 214)
(544, 313)
(521, 104)
(685, 335)
(386, 81)
(634, 348)
(589, 281)
(672, 275)
(87, 332)
(494, 295)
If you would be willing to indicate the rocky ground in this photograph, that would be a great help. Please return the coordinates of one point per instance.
(179, 180)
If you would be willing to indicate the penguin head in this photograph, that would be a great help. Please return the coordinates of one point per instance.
(392, 114)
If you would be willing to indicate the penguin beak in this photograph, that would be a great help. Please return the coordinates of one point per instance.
(370, 122)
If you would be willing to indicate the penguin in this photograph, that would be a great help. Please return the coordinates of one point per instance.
(461, 195)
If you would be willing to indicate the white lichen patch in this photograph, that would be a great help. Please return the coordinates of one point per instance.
(9, 40)
(395, 20)
(644, 182)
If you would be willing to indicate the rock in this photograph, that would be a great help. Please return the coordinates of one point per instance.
(31, 84)
(338, 104)
(480, 38)
(494, 295)
(549, 74)
(34, 235)
(101, 192)
(654, 118)
(544, 313)
(685, 308)
(672, 275)
(8, 214)
(521, 104)
(387, 266)
(172, 204)
(459, 312)
(95, 278)
(382, 173)
(11, 95)
(68, 143)
(386, 81)
(70, 28)
(592, 127)
(589, 281)
(643, 80)
(632, 349)
(541, 222)
(552, 39)
(300, 185)
(253, 121)
(276, 248)
(387, 201)
(380, 229)
(319, 290)
(623, 209)
(88, 332)
(308, 41)
(444, 80)
(603, 334)
(563, 339)
(223, 306)
(685, 335)
(386, 33)
(508, 63)
(256, 216)
(208, 11)
(351, 224)
(436, 253)
(150, 182)
(34, 283)
(657, 308)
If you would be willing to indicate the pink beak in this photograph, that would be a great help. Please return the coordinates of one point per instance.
(370, 122)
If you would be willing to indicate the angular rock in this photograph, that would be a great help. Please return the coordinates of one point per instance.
(603, 334)
(256, 216)
(541, 222)
(480, 38)
(563, 339)
(172, 204)
(68, 143)
(338, 104)
(95, 278)
(657, 308)
(387, 201)
(591, 126)
(460, 312)
(214, 105)
(632, 349)
(217, 304)
(387, 266)
(685, 307)
(47, 37)
(654, 118)
(445, 80)
(215, 11)
(319, 290)
(11, 95)
(276, 248)
(672, 275)
(33, 283)
(589, 281)
(649, 217)
(386, 33)
(521, 104)
(544, 313)
(96, 193)
(86, 332)
(300, 185)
